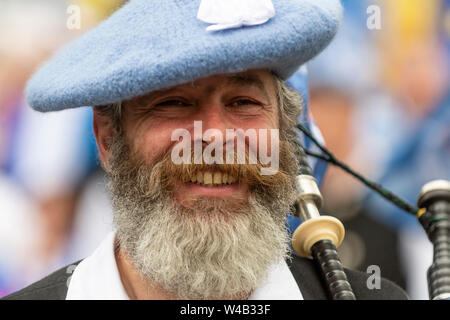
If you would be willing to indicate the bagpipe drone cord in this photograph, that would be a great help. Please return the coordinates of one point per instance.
(320, 235)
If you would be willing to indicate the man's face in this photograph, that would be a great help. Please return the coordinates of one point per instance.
(208, 240)
(244, 101)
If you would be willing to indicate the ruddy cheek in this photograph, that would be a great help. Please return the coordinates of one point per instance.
(153, 144)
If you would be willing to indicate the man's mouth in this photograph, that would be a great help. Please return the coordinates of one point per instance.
(212, 178)
(210, 183)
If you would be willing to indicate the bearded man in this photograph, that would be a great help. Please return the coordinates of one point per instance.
(208, 229)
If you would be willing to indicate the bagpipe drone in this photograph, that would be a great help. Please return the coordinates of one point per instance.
(318, 236)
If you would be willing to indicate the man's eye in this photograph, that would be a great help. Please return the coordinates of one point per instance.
(244, 102)
(176, 103)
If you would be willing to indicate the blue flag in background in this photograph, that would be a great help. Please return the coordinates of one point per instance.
(422, 157)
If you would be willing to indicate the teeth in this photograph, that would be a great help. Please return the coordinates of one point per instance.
(207, 178)
(217, 178)
(213, 178)
(199, 177)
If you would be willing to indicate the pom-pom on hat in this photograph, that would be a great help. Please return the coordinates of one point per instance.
(149, 45)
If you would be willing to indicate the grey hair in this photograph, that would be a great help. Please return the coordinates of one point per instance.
(289, 101)
(290, 104)
(113, 112)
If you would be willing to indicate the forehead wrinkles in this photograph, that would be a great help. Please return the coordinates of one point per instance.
(233, 80)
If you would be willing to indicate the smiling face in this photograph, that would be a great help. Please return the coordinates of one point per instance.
(200, 230)
(238, 101)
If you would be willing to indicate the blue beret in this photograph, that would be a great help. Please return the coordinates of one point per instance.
(149, 45)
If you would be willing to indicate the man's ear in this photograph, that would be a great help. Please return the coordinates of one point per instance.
(103, 131)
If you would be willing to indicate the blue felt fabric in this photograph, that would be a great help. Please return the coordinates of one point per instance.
(154, 44)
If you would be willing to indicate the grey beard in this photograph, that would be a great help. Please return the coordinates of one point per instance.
(215, 250)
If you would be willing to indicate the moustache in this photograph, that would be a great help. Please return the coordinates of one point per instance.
(223, 173)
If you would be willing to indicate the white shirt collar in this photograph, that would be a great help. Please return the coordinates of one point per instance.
(97, 278)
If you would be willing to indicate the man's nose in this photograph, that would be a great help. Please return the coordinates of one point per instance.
(213, 117)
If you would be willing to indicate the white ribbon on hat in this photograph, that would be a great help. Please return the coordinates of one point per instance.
(229, 14)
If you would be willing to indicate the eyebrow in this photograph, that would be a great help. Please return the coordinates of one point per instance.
(232, 80)
(247, 80)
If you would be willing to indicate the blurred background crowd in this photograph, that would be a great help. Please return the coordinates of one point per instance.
(380, 97)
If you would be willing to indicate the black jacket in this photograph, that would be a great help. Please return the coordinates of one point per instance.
(55, 286)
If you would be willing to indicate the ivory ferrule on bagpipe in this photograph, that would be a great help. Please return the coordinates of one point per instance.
(319, 236)
(314, 227)
(434, 216)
